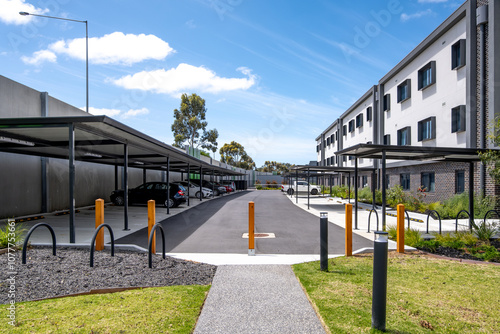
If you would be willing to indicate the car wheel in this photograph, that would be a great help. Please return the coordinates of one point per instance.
(290, 192)
(314, 192)
(119, 200)
(216, 192)
(169, 203)
(197, 195)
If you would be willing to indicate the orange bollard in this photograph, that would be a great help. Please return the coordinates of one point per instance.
(401, 228)
(348, 230)
(151, 223)
(251, 229)
(99, 219)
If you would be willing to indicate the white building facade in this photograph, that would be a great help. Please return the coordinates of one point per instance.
(442, 94)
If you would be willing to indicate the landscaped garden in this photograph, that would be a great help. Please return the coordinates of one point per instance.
(424, 294)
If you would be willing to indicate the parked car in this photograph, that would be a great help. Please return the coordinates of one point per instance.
(194, 190)
(218, 190)
(301, 186)
(229, 184)
(228, 188)
(156, 191)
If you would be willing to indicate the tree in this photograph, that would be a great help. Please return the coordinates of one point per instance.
(189, 126)
(492, 158)
(279, 167)
(234, 154)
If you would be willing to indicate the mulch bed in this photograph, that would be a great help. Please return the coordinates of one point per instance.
(47, 276)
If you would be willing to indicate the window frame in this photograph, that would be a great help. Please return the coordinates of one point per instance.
(432, 120)
(352, 125)
(387, 139)
(386, 102)
(369, 115)
(457, 185)
(458, 119)
(405, 84)
(408, 136)
(431, 187)
(359, 120)
(344, 130)
(458, 54)
(429, 66)
(404, 181)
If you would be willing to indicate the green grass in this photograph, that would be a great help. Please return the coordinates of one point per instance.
(449, 296)
(173, 309)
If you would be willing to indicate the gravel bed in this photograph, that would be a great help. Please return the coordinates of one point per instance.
(69, 272)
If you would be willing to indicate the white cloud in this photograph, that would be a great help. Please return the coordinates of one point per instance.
(115, 48)
(40, 57)
(117, 112)
(185, 78)
(405, 17)
(10, 9)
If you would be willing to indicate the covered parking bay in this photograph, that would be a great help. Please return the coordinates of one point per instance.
(330, 171)
(101, 140)
(422, 153)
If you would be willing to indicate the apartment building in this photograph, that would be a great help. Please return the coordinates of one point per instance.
(442, 94)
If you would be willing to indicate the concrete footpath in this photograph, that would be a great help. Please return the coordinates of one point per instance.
(257, 299)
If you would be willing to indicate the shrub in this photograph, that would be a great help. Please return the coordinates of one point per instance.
(485, 231)
(257, 182)
(259, 187)
(428, 245)
(395, 196)
(274, 182)
(412, 237)
(6, 234)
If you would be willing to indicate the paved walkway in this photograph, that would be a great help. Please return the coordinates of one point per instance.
(257, 299)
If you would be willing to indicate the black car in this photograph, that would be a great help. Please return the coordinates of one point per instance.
(156, 191)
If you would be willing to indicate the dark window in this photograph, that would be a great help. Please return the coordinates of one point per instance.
(428, 181)
(332, 160)
(351, 157)
(317, 148)
(336, 135)
(404, 90)
(328, 161)
(405, 181)
(458, 119)
(369, 142)
(404, 136)
(324, 143)
(387, 181)
(427, 75)
(344, 130)
(328, 141)
(359, 120)
(459, 181)
(344, 158)
(368, 114)
(332, 138)
(351, 125)
(458, 55)
(427, 129)
(386, 102)
(387, 140)
(364, 181)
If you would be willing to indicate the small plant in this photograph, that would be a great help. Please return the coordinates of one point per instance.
(258, 187)
(9, 236)
(274, 182)
(485, 231)
(412, 237)
(257, 182)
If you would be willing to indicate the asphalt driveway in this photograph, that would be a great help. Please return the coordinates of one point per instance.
(217, 226)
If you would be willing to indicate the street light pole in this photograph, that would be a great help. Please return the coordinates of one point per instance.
(86, 47)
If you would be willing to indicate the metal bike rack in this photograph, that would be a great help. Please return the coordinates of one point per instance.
(439, 217)
(487, 213)
(93, 242)
(369, 216)
(25, 244)
(408, 218)
(468, 215)
(150, 243)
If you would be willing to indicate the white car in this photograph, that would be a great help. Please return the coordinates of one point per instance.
(194, 190)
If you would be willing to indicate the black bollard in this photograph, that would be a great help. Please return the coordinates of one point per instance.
(323, 236)
(379, 297)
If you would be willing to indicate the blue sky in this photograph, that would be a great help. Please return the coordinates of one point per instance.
(274, 73)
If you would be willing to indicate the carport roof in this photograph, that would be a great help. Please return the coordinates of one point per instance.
(97, 139)
(393, 152)
(333, 169)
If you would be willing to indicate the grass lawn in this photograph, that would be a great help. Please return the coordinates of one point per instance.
(172, 309)
(424, 294)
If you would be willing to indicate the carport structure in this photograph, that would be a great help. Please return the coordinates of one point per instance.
(332, 170)
(422, 153)
(102, 140)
